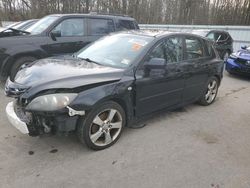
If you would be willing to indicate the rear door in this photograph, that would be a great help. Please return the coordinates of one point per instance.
(161, 88)
(70, 36)
(196, 67)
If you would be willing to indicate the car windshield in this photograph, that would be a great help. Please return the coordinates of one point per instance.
(42, 25)
(118, 50)
(24, 25)
(18, 26)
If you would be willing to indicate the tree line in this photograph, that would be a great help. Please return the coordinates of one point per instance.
(214, 12)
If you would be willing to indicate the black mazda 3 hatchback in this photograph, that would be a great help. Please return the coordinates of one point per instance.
(113, 83)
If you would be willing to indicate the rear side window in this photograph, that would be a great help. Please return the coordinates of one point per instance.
(127, 25)
(100, 26)
(194, 48)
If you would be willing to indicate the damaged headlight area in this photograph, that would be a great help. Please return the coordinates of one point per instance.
(51, 102)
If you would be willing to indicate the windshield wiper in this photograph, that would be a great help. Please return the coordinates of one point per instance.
(17, 30)
(90, 61)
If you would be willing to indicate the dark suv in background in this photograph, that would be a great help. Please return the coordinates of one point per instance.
(223, 42)
(55, 35)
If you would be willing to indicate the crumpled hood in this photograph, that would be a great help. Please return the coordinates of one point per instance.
(65, 72)
(243, 54)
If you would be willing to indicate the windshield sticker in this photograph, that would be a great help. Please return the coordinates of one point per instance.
(136, 47)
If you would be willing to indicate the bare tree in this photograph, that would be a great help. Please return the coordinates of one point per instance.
(145, 11)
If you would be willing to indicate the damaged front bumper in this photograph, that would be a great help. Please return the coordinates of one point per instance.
(34, 123)
(15, 120)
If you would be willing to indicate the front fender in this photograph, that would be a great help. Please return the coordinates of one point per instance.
(118, 92)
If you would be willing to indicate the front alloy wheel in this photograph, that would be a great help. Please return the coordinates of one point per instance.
(103, 126)
(210, 92)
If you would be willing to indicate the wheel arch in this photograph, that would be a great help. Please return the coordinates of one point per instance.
(13, 59)
(218, 77)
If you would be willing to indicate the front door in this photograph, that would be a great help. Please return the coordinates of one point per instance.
(70, 35)
(160, 88)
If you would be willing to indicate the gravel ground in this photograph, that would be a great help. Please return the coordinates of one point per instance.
(195, 147)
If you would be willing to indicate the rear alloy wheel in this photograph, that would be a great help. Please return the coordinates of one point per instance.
(211, 92)
(103, 126)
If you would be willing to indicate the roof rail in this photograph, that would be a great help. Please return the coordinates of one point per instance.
(110, 14)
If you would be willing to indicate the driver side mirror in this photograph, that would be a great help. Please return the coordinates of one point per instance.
(55, 34)
(156, 63)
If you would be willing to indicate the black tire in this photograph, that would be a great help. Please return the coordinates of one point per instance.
(204, 100)
(85, 125)
(18, 63)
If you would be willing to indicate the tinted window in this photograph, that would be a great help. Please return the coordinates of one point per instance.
(194, 48)
(126, 24)
(100, 26)
(70, 27)
(211, 36)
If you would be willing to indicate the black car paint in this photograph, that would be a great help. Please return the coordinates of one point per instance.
(184, 84)
(42, 45)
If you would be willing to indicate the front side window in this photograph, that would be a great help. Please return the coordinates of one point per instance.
(100, 26)
(211, 36)
(158, 52)
(42, 25)
(174, 51)
(194, 48)
(70, 28)
(170, 50)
